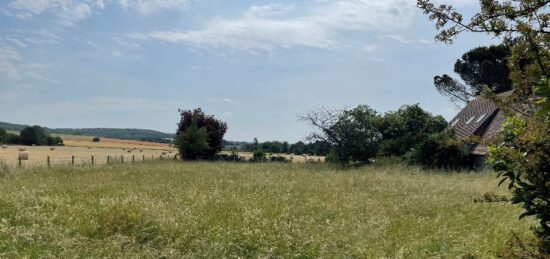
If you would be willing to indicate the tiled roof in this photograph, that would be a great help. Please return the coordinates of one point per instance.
(472, 120)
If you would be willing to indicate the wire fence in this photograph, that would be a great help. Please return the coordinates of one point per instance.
(50, 161)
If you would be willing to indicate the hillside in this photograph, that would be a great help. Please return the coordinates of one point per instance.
(130, 134)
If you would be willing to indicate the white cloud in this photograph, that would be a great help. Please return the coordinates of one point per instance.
(377, 59)
(274, 26)
(68, 12)
(148, 7)
(9, 59)
(405, 40)
(370, 47)
(227, 100)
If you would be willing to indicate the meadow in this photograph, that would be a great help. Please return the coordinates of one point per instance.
(214, 210)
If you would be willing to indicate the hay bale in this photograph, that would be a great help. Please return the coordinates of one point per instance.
(163, 153)
(129, 151)
(52, 148)
(4, 146)
(23, 156)
(34, 145)
(22, 149)
(141, 150)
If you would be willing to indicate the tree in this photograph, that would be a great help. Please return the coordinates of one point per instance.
(193, 142)
(440, 150)
(479, 68)
(521, 158)
(3, 136)
(34, 135)
(403, 129)
(352, 134)
(215, 129)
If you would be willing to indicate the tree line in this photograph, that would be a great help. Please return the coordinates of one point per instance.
(34, 135)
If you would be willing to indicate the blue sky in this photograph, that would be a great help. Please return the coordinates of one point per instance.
(255, 64)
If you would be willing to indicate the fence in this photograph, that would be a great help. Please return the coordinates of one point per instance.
(50, 161)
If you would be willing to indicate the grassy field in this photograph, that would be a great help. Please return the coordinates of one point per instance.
(214, 210)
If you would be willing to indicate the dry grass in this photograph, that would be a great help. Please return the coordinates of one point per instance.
(224, 210)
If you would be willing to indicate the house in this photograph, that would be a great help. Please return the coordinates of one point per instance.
(480, 119)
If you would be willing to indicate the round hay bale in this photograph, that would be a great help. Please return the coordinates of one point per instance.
(22, 149)
(23, 156)
(52, 148)
(4, 146)
(129, 151)
(141, 150)
(163, 153)
(34, 145)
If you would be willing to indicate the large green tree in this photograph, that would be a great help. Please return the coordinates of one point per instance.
(403, 129)
(34, 135)
(215, 129)
(480, 68)
(193, 142)
(352, 134)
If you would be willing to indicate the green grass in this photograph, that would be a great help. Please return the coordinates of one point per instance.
(213, 210)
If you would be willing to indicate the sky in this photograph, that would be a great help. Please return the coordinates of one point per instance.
(255, 64)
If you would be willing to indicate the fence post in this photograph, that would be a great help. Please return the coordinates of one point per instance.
(92, 160)
(49, 164)
(122, 159)
(143, 158)
(133, 158)
(160, 157)
(108, 159)
(20, 163)
(72, 160)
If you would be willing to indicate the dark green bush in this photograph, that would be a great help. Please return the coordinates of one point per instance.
(258, 156)
(96, 139)
(441, 151)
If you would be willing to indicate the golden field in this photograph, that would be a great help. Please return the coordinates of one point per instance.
(83, 148)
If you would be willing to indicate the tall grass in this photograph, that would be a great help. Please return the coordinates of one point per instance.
(213, 210)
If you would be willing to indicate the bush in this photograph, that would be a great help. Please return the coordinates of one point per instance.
(3, 136)
(96, 139)
(441, 151)
(34, 135)
(523, 159)
(258, 156)
(279, 159)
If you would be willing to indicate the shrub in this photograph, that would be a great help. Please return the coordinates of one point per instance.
(3, 136)
(96, 139)
(523, 159)
(34, 135)
(440, 151)
(258, 156)
(279, 159)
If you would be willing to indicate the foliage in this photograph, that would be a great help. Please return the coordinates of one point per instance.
(353, 134)
(130, 134)
(442, 151)
(479, 68)
(523, 159)
(96, 139)
(3, 136)
(259, 155)
(36, 135)
(215, 130)
(54, 141)
(403, 129)
(193, 142)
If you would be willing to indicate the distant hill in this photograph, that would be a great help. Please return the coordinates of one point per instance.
(130, 134)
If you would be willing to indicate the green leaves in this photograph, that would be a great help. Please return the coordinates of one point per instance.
(542, 91)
